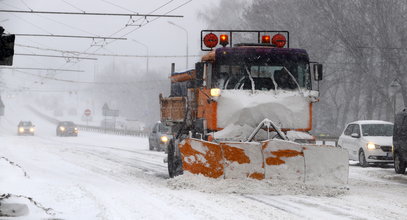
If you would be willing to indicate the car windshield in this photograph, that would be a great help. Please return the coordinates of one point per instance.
(377, 130)
(164, 129)
(67, 123)
(26, 123)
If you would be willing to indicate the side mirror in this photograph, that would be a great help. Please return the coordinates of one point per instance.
(355, 135)
(318, 72)
(199, 71)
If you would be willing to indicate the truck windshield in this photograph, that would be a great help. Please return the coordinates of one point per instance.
(377, 130)
(264, 76)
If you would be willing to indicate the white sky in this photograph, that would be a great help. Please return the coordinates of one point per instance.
(161, 37)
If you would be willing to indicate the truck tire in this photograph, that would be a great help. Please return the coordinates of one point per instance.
(362, 159)
(399, 164)
(174, 161)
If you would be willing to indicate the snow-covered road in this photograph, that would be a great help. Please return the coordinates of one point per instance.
(99, 176)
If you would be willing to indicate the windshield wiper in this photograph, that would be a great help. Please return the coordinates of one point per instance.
(293, 78)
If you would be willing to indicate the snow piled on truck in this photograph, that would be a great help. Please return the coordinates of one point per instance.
(288, 109)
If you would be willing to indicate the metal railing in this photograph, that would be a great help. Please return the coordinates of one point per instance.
(106, 130)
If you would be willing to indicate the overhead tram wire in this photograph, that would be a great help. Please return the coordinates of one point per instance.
(104, 55)
(92, 13)
(50, 19)
(183, 4)
(165, 4)
(72, 5)
(126, 26)
(90, 83)
(69, 36)
(54, 56)
(118, 6)
(46, 69)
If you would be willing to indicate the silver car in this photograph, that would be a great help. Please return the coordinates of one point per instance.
(25, 128)
(159, 137)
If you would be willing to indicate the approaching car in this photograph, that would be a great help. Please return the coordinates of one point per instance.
(159, 137)
(67, 128)
(25, 128)
(368, 141)
(400, 142)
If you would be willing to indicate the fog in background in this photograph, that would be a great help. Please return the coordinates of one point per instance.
(360, 42)
(121, 82)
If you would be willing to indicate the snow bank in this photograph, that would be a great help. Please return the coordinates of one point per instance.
(250, 186)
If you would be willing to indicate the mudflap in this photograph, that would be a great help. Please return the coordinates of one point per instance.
(273, 159)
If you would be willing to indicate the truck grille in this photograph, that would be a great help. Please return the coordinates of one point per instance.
(386, 148)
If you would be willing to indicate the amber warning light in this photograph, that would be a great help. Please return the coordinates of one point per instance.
(224, 40)
(265, 39)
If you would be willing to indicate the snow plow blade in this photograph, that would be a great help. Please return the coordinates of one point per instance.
(273, 159)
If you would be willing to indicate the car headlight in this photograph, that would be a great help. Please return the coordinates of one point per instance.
(372, 146)
(21, 129)
(62, 128)
(32, 129)
(215, 92)
(76, 130)
(164, 139)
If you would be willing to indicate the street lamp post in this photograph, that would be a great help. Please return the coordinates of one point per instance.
(186, 32)
(146, 50)
(394, 87)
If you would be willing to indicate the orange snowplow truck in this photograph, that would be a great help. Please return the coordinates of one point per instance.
(240, 111)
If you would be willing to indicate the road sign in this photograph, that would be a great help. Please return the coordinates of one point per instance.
(87, 112)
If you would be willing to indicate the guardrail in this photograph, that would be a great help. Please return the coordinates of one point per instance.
(327, 140)
(123, 132)
(98, 129)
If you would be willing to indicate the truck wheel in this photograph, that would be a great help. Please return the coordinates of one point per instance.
(174, 162)
(362, 159)
(399, 164)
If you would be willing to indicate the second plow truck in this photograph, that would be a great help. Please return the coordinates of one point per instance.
(239, 113)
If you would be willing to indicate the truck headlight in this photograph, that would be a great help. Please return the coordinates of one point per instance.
(21, 129)
(164, 139)
(32, 130)
(372, 146)
(62, 128)
(215, 92)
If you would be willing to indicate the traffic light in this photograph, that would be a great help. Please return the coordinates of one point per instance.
(6, 48)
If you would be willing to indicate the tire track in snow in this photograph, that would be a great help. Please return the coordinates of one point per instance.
(157, 169)
(305, 208)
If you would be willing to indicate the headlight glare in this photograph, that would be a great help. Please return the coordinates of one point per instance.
(215, 92)
(21, 129)
(62, 128)
(371, 146)
(164, 139)
(32, 129)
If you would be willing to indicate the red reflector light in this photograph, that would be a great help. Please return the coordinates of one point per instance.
(210, 40)
(224, 40)
(279, 40)
(265, 39)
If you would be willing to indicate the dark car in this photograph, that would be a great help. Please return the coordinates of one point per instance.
(159, 137)
(25, 128)
(400, 142)
(67, 128)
